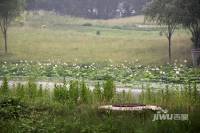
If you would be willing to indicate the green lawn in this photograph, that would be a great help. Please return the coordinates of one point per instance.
(118, 41)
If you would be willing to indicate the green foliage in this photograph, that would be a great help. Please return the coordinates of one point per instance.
(10, 8)
(61, 94)
(4, 89)
(12, 108)
(189, 15)
(127, 73)
(20, 91)
(98, 32)
(148, 95)
(87, 24)
(40, 91)
(162, 11)
(98, 94)
(51, 115)
(31, 90)
(85, 93)
(74, 91)
(108, 90)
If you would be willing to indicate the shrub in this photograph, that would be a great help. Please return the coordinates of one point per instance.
(84, 93)
(40, 91)
(98, 32)
(195, 93)
(20, 92)
(74, 91)
(116, 27)
(87, 24)
(142, 95)
(12, 108)
(98, 92)
(61, 94)
(148, 95)
(108, 90)
(32, 90)
(21, 23)
(4, 88)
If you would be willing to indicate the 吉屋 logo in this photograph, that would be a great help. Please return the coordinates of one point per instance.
(166, 117)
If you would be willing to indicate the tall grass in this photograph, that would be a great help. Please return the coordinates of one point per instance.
(74, 109)
(4, 90)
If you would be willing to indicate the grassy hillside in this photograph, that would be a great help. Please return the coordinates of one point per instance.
(69, 39)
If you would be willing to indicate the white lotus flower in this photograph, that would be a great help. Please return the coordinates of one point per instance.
(157, 69)
(185, 61)
(163, 73)
(177, 72)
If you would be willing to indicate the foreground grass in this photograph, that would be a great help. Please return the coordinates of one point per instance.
(74, 109)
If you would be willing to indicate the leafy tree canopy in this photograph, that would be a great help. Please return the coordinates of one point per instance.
(189, 13)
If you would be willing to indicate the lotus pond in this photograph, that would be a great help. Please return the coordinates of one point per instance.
(124, 73)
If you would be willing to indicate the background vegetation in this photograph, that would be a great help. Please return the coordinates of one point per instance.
(72, 39)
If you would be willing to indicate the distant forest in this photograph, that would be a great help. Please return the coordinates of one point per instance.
(97, 9)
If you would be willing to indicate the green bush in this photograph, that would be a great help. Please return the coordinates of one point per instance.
(40, 91)
(12, 108)
(108, 90)
(4, 89)
(20, 92)
(98, 92)
(87, 24)
(61, 94)
(31, 90)
(85, 93)
(98, 32)
(117, 27)
(74, 91)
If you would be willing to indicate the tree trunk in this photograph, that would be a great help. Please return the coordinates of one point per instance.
(198, 40)
(5, 41)
(170, 52)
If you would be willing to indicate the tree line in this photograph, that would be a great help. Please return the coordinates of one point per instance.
(98, 9)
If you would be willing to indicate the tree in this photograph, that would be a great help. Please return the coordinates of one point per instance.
(189, 13)
(9, 9)
(101, 9)
(163, 12)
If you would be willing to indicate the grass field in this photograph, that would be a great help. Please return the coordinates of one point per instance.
(68, 40)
